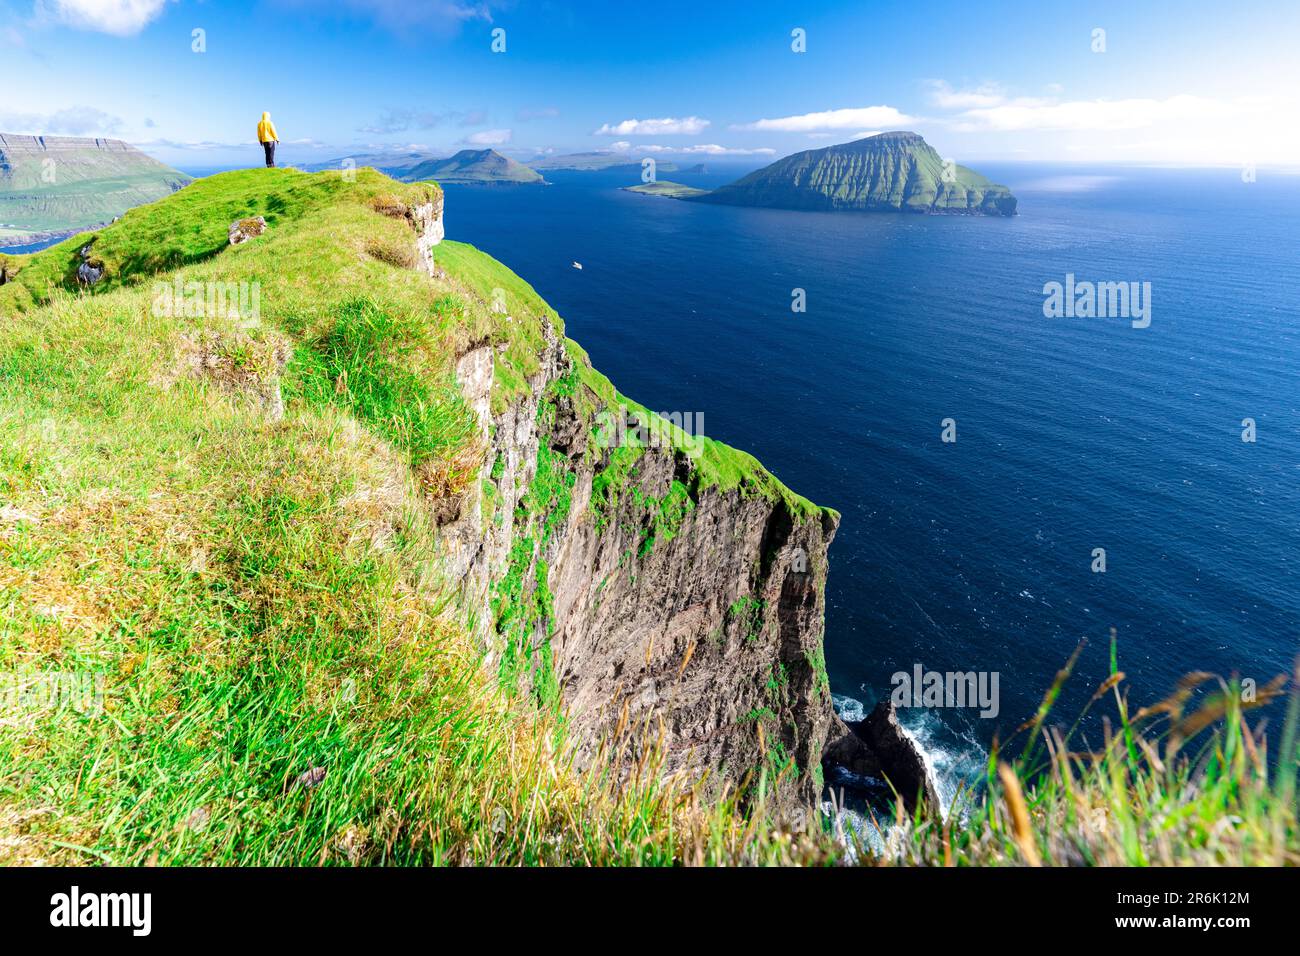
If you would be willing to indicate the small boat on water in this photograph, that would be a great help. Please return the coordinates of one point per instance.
(577, 265)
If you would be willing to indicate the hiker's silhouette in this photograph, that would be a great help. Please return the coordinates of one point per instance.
(268, 137)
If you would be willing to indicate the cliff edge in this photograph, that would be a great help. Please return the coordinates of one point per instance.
(661, 589)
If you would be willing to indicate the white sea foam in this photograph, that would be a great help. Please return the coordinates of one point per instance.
(848, 708)
(956, 758)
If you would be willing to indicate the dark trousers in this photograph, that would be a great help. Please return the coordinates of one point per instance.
(270, 153)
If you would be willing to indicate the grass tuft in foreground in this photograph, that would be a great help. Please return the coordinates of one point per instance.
(1166, 785)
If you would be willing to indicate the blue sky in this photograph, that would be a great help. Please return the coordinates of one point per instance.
(1188, 83)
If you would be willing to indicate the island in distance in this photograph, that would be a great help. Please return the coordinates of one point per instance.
(487, 166)
(482, 166)
(889, 172)
(474, 166)
(604, 161)
(666, 188)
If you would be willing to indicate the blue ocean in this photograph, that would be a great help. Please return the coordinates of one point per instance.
(29, 247)
(1072, 434)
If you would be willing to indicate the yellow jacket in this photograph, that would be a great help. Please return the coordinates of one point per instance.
(266, 130)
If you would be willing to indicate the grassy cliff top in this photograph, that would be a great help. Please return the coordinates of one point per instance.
(327, 247)
(281, 676)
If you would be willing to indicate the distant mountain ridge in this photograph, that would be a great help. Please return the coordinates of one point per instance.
(895, 172)
(390, 164)
(466, 166)
(473, 166)
(58, 184)
(486, 165)
(598, 161)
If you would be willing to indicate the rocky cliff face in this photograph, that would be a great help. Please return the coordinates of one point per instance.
(612, 578)
(651, 609)
(612, 575)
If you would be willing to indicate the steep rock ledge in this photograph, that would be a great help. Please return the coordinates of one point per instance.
(426, 220)
(618, 585)
(651, 603)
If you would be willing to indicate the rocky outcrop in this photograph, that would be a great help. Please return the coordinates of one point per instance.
(657, 612)
(426, 220)
(91, 268)
(241, 230)
(879, 747)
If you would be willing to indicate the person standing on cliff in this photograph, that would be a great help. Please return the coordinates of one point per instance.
(268, 137)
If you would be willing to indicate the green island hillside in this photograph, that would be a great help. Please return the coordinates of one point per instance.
(887, 172)
(55, 184)
(331, 522)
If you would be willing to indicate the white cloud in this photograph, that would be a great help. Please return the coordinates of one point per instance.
(395, 147)
(119, 17)
(401, 120)
(1185, 129)
(668, 126)
(712, 149)
(489, 137)
(868, 117)
(191, 145)
(1091, 114)
(701, 149)
(73, 121)
(944, 96)
(990, 108)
